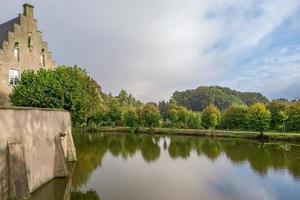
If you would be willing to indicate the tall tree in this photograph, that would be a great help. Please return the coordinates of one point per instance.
(259, 118)
(150, 115)
(210, 117)
(68, 88)
(276, 107)
(293, 121)
(235, 117)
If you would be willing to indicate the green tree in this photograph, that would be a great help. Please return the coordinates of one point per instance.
(275, 107)
(210, 117)
(194, 120)
(222, 97)
(68, 88)
(293, 121)
(150, 115)
(115, 113)
(235, 117)
(131, 118)
(259, 117)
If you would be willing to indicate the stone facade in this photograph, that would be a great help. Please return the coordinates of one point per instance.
(35, 145)
(21, 48)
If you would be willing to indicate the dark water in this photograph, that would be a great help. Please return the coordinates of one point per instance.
(142, 167)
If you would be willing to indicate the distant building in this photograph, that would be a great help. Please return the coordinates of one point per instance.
(21, 48)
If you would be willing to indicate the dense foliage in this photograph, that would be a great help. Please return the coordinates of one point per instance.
(68, 88)
(72, 89)
(222, 97)
(211, 117)
(235, 117)
(293, 117)
(150, 115)
(259, 117)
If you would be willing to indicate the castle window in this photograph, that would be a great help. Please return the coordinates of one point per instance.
(43, 61)
(13, 76)
(17, 51)
(30, 44)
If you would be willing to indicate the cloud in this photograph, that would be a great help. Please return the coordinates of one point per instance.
(275, 74)
(152, 48)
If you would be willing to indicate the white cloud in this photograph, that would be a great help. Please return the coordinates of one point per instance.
(276, 74)
(152, 48)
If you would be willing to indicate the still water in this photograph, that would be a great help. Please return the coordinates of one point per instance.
(143, 167)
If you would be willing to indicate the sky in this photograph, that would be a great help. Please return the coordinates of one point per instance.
(154, 48)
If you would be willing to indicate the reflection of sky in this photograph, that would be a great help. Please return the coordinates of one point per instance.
(194, 178)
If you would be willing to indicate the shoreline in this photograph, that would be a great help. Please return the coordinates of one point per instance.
(268, 136)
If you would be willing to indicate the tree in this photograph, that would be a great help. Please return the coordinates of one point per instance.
(68, 88)
(163, 108)
(235, 117)
(115, 113)
(131, 118)
(276, 107)
(293, 121)
(194, 120)
(283, 117)
(222, 97)
(172, 115)
(183, 117)
(259, 118)
(210, 117)
(150, 115)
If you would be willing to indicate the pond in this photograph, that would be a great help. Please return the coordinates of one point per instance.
(143, 167)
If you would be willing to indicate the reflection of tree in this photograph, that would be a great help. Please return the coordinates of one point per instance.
(115, 146)
(179, 147)
(211, 148)
(131, 144)
(293, 161)
(90, 151)
(236, 150)
(261, 157)
(150, 149)
(88, 195)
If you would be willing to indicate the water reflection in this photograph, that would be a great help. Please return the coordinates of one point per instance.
(262, 158)
(88, 195)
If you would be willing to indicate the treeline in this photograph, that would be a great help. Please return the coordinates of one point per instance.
(222, 97)
(72, 89)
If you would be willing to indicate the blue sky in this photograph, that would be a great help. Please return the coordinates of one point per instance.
(153, 48)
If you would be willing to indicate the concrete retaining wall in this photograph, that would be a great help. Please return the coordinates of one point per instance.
(39, 137)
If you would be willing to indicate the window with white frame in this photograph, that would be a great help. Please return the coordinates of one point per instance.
(14, 76)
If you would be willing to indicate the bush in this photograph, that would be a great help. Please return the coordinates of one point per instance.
(210, 117)
(150, 115)
(293, 120)
(276, 107)
(235, 117)
(259, 117)
(131, 118)
(68, 88)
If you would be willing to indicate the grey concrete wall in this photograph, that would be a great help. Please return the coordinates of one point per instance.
(38, 130)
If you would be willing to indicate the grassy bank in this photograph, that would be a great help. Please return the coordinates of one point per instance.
(207, 133)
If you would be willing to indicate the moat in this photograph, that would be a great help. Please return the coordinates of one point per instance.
(134, 167)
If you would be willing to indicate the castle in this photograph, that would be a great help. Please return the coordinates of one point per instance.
(21, 48)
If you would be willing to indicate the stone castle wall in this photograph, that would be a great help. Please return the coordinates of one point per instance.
(34, 145)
